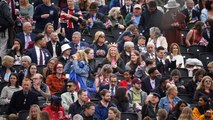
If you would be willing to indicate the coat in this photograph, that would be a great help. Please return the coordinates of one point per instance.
(57, 48)
(173, 34)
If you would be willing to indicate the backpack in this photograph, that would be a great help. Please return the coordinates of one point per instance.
(4, 24)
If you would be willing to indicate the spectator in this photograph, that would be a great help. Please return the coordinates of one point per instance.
(135, 62)
(89, 112)
(210, 69)
(121, 99)
(6, 30)
(77, 106)
(7, 68)
(126, 36)
(150, 52)
(55, 111)
(44, 115)
(101, 110)
(176, 79)
(71, 17)
(34, 112)
(16, 51)
(112, 86)
(195, 35)
(41, 89)
(113, 114)
(23, 99)
(201, 109)
(31, 71)
(162, 63)
(150, 18)
(204, 88)
(137, 96)
(38, 53)
(192, 84)
(186, 114)
(25, 63)
(116, 18)
(127, 8)
(95, 19)
(176, 55)
(174, 115)
(152, 81)
(172, 22)
(207, 11)
(151, 108)
(162, 114)
(170, 100)
(127, 82)
(7, 91)
(56, 80)
(76, 43)
(99, 46)
(48, 29)
(135, 31)
(66, 50)
(45, 13)
(49, 68)
(141, 45)
(126, 53)
(156, 38)
(135, 16)
(54, 46)
(207, 32)
(83, 5)
(26, 37)
(161, 88)
(70, 96)
(114, 59)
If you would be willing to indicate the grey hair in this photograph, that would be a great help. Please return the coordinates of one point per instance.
(114, 12)
(156, 31)
(77, 117)
(128, 44)
(27, 58)
(77, 33)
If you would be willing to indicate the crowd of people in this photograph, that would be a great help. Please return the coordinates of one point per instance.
(58, 60)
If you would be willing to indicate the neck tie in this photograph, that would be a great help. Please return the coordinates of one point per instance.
(112, 91)
(27, 40)
(12, 8)
(128, 10)
(70, 23)
(72, 96)
(41, 58)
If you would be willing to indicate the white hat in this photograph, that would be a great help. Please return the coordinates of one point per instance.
(137, 6)
(172, 4)
(65, 47)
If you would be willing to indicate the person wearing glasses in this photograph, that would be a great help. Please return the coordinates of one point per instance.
(70, 96)
(56, 80)
(205, 88)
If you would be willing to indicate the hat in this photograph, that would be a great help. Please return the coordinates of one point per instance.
(136, 80)
(93, 6)
(128, 33)
(172, 4)
(55, 99)
(65, 47)
(137, 6)
(156, 94)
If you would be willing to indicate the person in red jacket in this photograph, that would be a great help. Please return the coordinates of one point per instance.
(127, 82)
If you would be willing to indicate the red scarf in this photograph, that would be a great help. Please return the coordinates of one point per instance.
(70, 23)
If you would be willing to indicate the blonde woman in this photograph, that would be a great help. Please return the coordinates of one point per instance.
(175, 54)
(48, 29)
(114, 114)
(34, 112)
(186, 114)
(7, 68)
(205, 88)
(113, 58)
(99, 46)
(116, 18)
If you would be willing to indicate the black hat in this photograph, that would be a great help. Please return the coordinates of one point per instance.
(128, 33)
(156, 94)
(56, 100)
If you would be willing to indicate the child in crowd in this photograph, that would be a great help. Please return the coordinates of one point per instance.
(142, 45)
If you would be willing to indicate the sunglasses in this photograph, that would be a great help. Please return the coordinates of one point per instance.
(208, 81)
(69, 86)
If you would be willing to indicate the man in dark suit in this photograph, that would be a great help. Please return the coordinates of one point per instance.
(38, 53)
(163, 64)
(26, 36)
(152, 81)
(76, 43)
(94, 19)
(23, 99)
(127, 8)
(112, 86)
(54, 46)
(150, 52)
(191, 14)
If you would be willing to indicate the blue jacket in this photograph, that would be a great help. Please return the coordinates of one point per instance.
(102, 112)
(164, 102)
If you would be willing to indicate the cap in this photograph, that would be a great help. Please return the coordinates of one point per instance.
(65, 47)
(137, 6)
(128, 33)
(136, 80)
(156, 94)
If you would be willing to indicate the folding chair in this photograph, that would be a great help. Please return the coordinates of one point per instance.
(129, 116)
(196, 49)
(186, 97)
(87, 38)
(206, 58)
(23, 115)
(183, 71)
(110, 39)
(183, 49)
